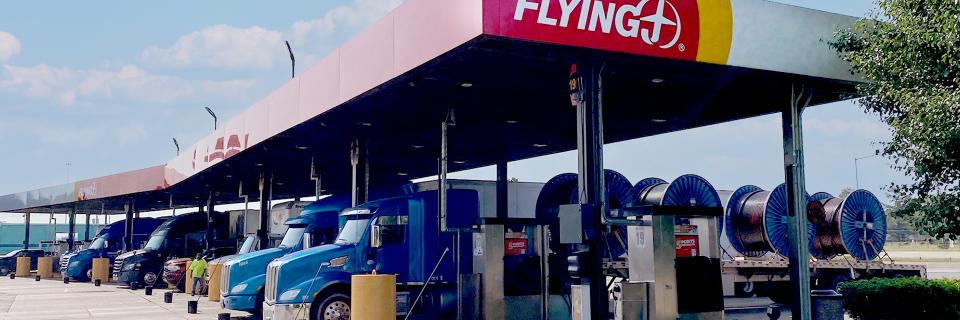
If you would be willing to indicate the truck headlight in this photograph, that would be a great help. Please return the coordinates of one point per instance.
(239, 288)
(131, 266)
(289, 294)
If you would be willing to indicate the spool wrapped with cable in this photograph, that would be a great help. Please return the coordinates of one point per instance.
(734, 222)
(855, 225)
(685, 191)
(759, 222)
(617, 188)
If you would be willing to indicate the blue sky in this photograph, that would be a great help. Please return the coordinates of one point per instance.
(105, 85)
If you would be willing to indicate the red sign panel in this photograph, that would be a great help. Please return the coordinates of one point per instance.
(661, 28)
(687, 246)
(514, 247)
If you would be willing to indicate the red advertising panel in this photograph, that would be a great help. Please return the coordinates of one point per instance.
(687, 246)
(514, 247)
(660, 28)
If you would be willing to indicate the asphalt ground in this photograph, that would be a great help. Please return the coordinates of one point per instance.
(25, 298)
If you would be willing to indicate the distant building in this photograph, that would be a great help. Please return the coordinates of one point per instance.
(11, 234)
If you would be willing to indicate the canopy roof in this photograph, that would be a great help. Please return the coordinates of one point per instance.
(503, 66)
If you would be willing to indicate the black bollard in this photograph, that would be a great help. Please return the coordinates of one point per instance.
(192, 306)
(223, 316)
(148, 290)
(66, 280)
(37, 278)
(13, 276)
(96, 282)
(168, 297)
(773, 312)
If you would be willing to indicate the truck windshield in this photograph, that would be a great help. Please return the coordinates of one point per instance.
(156, 241)
(247, 245)
(98, 244)
(293, 236)
(12, 253)
(352, 231)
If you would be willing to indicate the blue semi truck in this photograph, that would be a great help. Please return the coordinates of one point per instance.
(243, 277)
(399, 236)
(108, 243)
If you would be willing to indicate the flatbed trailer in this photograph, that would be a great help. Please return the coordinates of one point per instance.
(745, 277)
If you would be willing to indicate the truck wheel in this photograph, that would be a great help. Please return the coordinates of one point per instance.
(744, 289)
(334, 307)
(258, 307)
(89, 274)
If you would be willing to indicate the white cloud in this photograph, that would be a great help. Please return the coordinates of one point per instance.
(9, 46)
(66, 85)
(222, 46)
(358, 13)
(230, 47)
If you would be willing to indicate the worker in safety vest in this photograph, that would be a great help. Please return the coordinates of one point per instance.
(196, 271)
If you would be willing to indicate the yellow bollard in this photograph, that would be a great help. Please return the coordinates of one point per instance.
(187, 280)
(213, 288)
(45, 267)
(101, 270)
(23, 266)
(373, 296)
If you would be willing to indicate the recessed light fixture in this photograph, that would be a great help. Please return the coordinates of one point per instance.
(656, 80)
(512, 121)
(466, 85)
(539, 145)
(229, 176)
(412, 84)
(459, 161)
(259, 164)
(416, 146)
(302, 147)
(659, 120)
(279, 183)
(365, 124)
(402, 174)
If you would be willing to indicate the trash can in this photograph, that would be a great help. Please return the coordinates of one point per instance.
(826, 305)
(23, 266)
(45, 267)
(374, 296)
(101, 269)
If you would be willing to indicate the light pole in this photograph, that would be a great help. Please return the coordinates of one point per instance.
(177, 144)
(214, 115)
(856, 165)
(293, 61)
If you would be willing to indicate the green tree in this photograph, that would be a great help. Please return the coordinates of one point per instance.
(908, 53)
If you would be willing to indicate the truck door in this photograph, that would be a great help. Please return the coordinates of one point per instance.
(393, 253)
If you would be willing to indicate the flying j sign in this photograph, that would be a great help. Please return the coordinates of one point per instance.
(694, 30)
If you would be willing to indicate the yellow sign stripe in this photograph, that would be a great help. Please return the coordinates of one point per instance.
(716, 31)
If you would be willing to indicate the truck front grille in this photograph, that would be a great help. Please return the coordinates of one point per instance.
(225, 279)
(116, 267)
(63, 263)
(270, 295)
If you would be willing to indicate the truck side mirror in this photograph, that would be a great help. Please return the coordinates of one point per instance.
(307, 240)
(375, 240)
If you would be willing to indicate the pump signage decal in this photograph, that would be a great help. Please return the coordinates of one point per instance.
(677, 29)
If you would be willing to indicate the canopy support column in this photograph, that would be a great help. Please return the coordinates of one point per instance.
(71, 227)
(266, 193)
(208, 239)
(360, 172)
(797, 201)
(26, 230)
(586, 96)
(128, 226)
(86, 227)
(502, 194)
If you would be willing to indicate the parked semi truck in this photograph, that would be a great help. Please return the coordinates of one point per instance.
(178, 236)
(175, 270)
(108, 243)
(243, 277)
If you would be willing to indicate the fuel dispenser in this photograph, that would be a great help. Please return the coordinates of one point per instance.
(673, 251)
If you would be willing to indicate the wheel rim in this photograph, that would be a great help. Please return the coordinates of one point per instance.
(337, 310)
(90, 274)
(150, 278)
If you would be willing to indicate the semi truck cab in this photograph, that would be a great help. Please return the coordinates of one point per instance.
(243, 277)
(108, 243)
(179, 236)
(392, 236)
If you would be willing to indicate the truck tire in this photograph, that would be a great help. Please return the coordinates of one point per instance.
(780, 293)
(258, 307)
(744, 289)
(335, 306)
